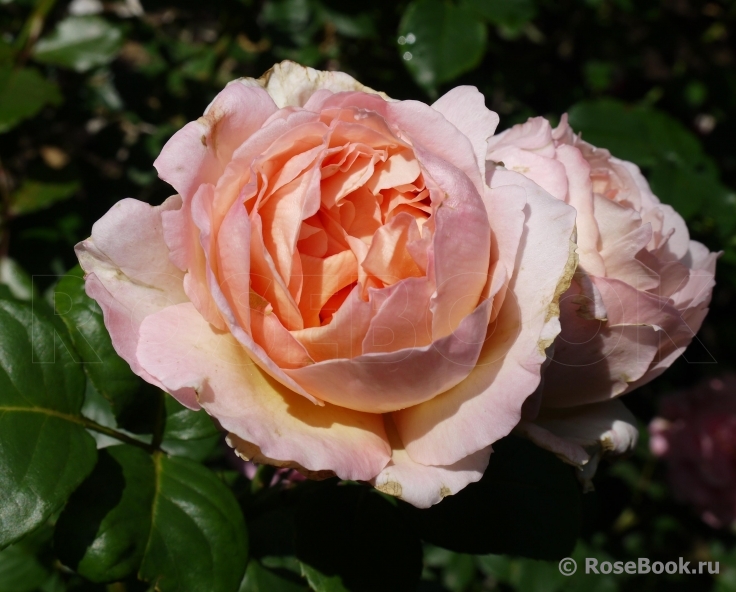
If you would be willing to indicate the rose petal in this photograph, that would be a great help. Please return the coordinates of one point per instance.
(583, 435)
(129, 274)
(431, 133)
(322, 279)
(377, 383)
(180, 349)
(290, 84)
(402, 319)
(487, 404)
(465, 108)
(421, 485)
(199, 152)
(535, 135)
(388, 258)
(343, 336)
(461, 245)
(545, 172)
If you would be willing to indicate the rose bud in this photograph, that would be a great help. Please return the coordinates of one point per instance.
(336, 283)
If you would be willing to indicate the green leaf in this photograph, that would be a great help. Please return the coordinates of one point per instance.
(260, 579)
(169, 519)
(108, 372)
(16, 279)
(33, 196)
(351, 532)
(320, 582)
(103, 530)
(439, 41)
(527, 503)
(45, 452)
(188, 433)
(23, 92)
(80, 43)
(20, 571)
(198, 540)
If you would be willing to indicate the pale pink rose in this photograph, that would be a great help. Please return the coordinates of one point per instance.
(695, 433)
(336, 283)
(639, 296)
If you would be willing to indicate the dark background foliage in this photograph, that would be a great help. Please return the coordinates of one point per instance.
(89, 93)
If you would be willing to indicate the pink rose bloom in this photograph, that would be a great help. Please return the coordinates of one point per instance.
(696, 434)
(639, 295)
(336, 283)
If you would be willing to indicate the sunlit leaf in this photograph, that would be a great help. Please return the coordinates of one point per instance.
(16, 279)
(80, 43)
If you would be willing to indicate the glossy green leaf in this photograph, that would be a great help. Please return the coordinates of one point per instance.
(169, 519)
(198, 540)
(80, 43)
(45, 452)
(188, 433)
(260, 579)
(20, 571)
(103, 530)
(108, 372)
(527, 503)
(352, 533)
(33, 196)
(438, 41)
(23, 92)
(322, 583)
(19, 283)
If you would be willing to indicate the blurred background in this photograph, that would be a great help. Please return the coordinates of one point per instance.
(91, 90)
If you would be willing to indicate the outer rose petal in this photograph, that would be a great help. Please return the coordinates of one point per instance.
(601, 359)
(697, 293)
(465, 108)
(422, 485)
(199, 152)
(182, 350)
(196, 156)
(130, 276)
(291, 85)
(582, 435)
(487, 404)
